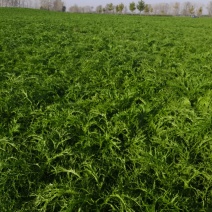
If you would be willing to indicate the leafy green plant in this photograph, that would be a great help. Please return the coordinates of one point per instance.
(104, 113)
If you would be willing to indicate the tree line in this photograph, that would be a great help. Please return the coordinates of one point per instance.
(56, 5)
(185, 9)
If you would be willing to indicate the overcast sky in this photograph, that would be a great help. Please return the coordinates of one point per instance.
(95, 3)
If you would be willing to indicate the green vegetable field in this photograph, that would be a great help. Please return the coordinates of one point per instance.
(103, 113)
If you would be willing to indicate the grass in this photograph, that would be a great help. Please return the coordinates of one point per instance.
(104, 112)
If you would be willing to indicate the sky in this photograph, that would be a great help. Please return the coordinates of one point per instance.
(95, 3)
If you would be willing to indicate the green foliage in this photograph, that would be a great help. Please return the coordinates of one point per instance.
(110, 7)
(119, 8)
(132, 7)
(104, 113)
(140, 6)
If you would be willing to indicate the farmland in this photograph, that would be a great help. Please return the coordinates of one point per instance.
(104, 112)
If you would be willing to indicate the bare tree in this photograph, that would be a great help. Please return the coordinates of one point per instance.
(188, 9)
(74, 9)
(146, 9)
(81, 10)
(156, 9)
(209, 8)
(15, 3)
(164, 8)
(125, 10)
(87, 9)
(176, 8)
(117, 8)
(58, 5)
(199, 11)
(46, 4)
(4, 3)
(192, 10)
(99, 9)
(150, 9)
